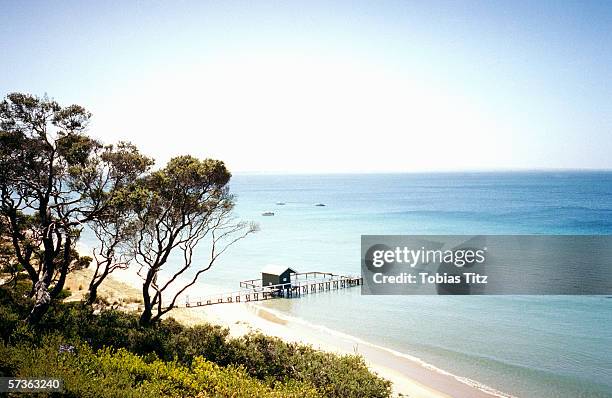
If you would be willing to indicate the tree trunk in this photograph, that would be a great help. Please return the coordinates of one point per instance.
(147, 313)
(145, 317)
(92, 294)
(97, 280)
(59, 285)
(66, 260)
(42, 301)
(42, 296)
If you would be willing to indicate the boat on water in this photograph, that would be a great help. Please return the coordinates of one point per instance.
(320, 204)
(267, 213)
(280, 203)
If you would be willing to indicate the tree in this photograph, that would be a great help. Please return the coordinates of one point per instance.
(114, 227)
(53, 180)
(185, 203)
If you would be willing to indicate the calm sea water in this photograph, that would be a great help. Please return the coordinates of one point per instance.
(529, 346)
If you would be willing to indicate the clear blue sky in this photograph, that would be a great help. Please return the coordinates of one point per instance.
(328, 86)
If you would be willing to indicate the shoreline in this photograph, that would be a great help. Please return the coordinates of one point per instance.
(410, 375)
(368, 350)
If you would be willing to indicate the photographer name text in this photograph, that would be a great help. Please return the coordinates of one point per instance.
(428, 278)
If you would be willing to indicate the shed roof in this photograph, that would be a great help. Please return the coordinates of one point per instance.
(275, 269)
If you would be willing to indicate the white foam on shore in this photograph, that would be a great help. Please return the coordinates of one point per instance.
(335, 333)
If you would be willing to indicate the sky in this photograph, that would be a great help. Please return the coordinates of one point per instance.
(319, 87)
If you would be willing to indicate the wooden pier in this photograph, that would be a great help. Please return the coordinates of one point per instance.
(300, 284)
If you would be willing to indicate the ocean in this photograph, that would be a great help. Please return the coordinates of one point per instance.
(528, 346)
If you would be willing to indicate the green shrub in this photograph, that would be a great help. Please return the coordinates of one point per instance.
(269, 360)
(333, 375)
(209, 341)
(64, 294)
(14, 297)
(8, 322)
(119, 373)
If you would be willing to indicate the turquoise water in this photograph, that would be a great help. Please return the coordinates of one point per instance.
(528, 346)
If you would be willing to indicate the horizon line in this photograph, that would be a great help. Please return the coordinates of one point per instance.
(443, 171)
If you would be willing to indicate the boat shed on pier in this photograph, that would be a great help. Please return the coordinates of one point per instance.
(273, 274)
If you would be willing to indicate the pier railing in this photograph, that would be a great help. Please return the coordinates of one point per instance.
(301, 283)
(298, 276)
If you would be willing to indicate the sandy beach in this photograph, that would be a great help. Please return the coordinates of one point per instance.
(410, 376)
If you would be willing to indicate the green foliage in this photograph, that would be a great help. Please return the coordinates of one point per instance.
(200, 185)
(335, 376)
(82, 262)
(267, 359)
(119, 373)
(127, 163)
(188, 201)
(65, 293)
(8, 322)
(53, 176)
(209, 341)
(76, 148)
(14, 297)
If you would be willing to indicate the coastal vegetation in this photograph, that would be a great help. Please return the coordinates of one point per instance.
(55, 181)
(109, 354)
